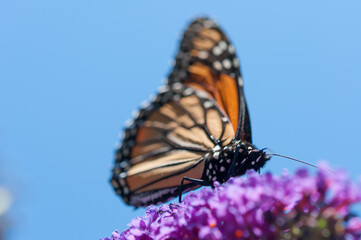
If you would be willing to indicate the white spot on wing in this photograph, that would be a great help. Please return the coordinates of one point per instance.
(135, 113)
(225, 119)
(231, 49)
(227, 64)
(207, 104)
(240, 81)
(203, 54)
(124, 164)
(163, 89)
(177, 97)
(217, 51)
(223, 45)
(145, 104)
(188, 91)
(235, 62)
(123, 175)
(177, 86)
(217, 65)
(201, 94)
(208, 23)
(128, 123)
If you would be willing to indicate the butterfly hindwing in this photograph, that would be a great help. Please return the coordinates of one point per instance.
(207, 60)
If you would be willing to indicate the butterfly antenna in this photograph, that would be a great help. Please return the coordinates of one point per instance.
(294, 159)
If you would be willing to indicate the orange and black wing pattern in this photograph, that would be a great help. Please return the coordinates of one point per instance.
(201, 107)
(169, 139)
(206, 60)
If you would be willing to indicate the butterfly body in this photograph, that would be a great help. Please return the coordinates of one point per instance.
(196, 127)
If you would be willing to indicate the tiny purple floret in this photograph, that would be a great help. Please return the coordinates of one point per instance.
(258, 206)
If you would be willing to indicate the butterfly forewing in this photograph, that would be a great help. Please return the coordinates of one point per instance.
(167, 141)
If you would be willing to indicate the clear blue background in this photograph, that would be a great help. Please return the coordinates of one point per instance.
(71, 73)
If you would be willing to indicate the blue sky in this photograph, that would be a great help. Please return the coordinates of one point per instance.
(72, 72)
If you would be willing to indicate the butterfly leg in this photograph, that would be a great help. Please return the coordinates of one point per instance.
(192, 180)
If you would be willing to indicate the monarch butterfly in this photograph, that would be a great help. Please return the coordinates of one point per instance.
(197, 126)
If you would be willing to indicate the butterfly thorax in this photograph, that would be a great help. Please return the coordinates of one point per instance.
(232, 160)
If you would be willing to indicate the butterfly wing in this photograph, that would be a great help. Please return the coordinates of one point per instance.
(168, 140)
(201, 106)
(207, 60)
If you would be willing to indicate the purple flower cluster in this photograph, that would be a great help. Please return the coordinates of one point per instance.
(256, 206)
